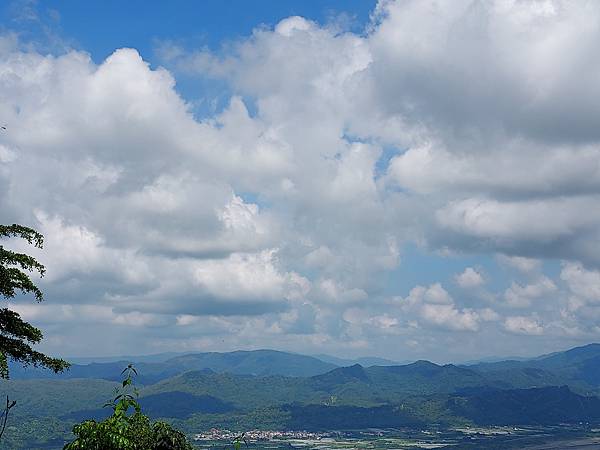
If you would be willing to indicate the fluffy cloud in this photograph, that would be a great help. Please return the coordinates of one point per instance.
(515, 45)
(582, 310)
(452, 125)
(503, 151)
(470, 278)
(502, 164)
(582, 282)
(434, 306)
(143, 206)
(524, 265)
(523, 325)
(519, 296)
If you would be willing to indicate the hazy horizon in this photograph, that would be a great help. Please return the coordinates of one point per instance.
(93, 358)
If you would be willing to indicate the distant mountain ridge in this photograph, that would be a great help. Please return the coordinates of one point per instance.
(155, 357)
(365, 361)
(278, 390)
(252, 362)
(578, 367)
(154, 368)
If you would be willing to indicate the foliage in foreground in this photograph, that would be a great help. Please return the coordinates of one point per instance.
(16, 335)
(127, 431)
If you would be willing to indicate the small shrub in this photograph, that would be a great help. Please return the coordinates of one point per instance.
(125, 430)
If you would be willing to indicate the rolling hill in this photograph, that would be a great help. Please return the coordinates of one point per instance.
(269, 389)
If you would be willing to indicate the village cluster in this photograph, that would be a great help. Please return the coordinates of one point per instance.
(256, 435)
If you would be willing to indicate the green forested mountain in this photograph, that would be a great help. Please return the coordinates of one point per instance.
(243, 390)
(256, 362)
(534, 406)
(578, 367)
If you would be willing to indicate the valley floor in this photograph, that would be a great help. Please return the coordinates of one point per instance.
(530, 438)
(568, 437)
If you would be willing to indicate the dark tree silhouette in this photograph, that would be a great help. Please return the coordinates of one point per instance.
(16, 335)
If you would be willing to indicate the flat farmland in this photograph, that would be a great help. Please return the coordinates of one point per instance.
(533, 438)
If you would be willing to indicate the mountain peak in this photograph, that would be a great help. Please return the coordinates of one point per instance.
(423, 363)
(344, 375)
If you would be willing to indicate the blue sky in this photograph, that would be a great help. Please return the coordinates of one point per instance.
(101, 27)
(399, 179)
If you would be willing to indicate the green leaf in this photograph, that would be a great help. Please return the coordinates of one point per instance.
(16, 335)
